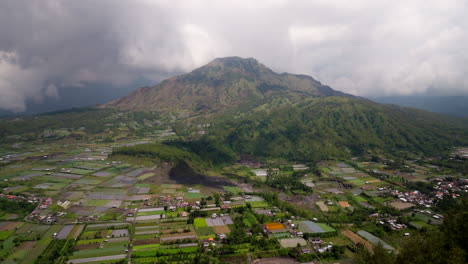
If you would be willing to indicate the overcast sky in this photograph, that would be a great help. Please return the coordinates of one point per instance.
(367, 48)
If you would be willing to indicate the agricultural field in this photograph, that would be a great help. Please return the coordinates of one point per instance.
(94, 208)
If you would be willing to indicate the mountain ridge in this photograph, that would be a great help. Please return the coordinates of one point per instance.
(222, 84)
(256, 111)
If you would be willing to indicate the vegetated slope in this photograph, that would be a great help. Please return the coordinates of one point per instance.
(335, 127)
(289, 116)
(74, 123)
(224, 84)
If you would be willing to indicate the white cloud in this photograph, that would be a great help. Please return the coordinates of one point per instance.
(365, 47)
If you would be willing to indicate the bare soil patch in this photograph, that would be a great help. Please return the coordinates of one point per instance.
(275, 261)
(224, 229)
(87, 246)
(26, 245)
(401, 205)
(146, 241)
(356, 239)
(10, 226)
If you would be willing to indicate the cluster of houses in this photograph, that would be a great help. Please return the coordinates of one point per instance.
(415, 197)
(387, 220)
(452, 188)
(429, 213)
(30, 199)
(46, 203)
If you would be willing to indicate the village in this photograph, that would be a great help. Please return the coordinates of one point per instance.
(109, 211)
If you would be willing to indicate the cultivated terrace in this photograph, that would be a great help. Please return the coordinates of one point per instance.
(133, 200)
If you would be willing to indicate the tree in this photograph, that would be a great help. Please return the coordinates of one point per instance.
(379, 255)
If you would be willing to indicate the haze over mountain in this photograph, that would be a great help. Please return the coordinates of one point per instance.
(451, 105)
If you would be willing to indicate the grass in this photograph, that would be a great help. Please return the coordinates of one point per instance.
(5, 234)
(89, 181)
(91, 234)
(81, 171)
(249, 219)
(233, 189)
(145, 176)
(151, 213)
(145, 253)
(19, 254)
(143, 185)
(75, 232)
(42, 244)
(90, 241)
(96, 202)
(421, 224)
(427, 219)
(382, 200)
(75, 196)
(178, 250)
(146, 247)
(199, 222)
(89, 253)
(282, 235)
(357, 182)
(94, 165)
(326, 228)
(204, 231)
(169, 191)
(359, 199)
(148, 236)
(259, 204)
(191, 195)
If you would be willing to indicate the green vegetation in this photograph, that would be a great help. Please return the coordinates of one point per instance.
(338, 127)
(444, 245)
(155, 150)
(56, 252)
(21, 208)
(199, 222)
(138, 190)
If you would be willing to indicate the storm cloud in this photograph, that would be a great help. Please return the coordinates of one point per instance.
(367, 48)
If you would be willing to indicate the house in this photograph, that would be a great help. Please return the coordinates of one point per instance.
(48, 202)
(131, 213)
(225, 206)
(316, 240)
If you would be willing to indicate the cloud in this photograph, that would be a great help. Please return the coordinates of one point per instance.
(363, 47)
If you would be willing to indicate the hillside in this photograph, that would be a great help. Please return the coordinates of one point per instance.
(336, 127)
(224, 84)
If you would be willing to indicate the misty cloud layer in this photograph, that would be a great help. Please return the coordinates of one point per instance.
(367, 48)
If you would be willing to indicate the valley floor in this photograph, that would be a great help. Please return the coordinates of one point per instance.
(74, 204)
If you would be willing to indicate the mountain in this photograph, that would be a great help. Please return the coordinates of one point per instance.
(254, 111)
(224, 84)
(263, 113)
(451, 105)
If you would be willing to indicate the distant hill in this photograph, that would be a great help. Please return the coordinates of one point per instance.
(224, 84)
(451, 105)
